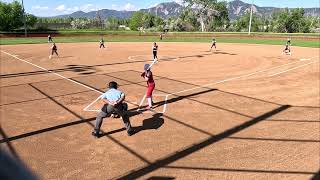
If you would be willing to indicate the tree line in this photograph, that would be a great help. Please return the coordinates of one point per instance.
(198, 15)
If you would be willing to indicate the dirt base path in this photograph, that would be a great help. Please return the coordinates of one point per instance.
(241, 112)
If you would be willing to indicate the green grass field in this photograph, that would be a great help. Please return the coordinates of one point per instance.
(250, 40)
(123, 32)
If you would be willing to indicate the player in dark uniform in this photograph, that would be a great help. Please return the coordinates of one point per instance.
(287, 50)
(155, 51)
(54, 49)
(102, 43)
(214, 42)
(50, 39)
(289, 41)
(161, 36)
(147, 75)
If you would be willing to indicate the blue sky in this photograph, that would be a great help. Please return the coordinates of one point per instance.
(57, 7)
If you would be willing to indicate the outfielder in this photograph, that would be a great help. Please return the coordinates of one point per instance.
(50, 39)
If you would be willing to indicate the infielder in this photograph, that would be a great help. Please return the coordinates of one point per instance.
(54, 50)
(155, 51)
(214, 42)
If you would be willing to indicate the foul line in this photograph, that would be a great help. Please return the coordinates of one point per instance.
(308, 59)
(292, 68)
(50, 71)
(179, 92)
(233, 78)
(222, 81)
(132, 58)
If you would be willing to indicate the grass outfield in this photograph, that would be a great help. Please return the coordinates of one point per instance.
(14, 41)
(123, 32)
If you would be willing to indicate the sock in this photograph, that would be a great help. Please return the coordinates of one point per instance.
(149, 102)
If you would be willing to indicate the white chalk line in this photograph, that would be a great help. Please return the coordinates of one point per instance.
(293, 68)
(302, 59)
(63, 77)
(154, 111)
(203, 86)
(87, 107)
(233, 78)
(131, 58)
(308, 59)
(222, 81)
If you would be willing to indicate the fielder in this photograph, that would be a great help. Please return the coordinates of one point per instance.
(155, 51)
(287, 50)
(113, 103)
(54, 50)
(102, 43)
(289, 41)
(147, 75)
(214, 42)
(50, 40)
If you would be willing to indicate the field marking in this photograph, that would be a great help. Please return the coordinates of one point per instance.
(293, 68)
(308, 59)
(222, 81)
(87, 107)
(63, 77)
(233, 78)
(131, 58)
(154, 111)
(199, 87)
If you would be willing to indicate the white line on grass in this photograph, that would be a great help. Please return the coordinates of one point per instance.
(293, 68)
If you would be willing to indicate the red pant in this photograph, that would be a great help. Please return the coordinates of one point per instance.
(151, 87)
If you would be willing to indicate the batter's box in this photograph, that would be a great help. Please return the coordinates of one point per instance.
(160, 104)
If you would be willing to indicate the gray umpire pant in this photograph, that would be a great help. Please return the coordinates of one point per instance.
(107, 110)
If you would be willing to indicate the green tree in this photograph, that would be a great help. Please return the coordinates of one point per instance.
(136, 21)
(242, 24)
(148, 20)
(190, 21)
(221, 19)
(31, 20)
(290, 21)
(208, 11)
(11, 16)
(112, 23)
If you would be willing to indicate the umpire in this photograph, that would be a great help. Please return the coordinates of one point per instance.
(113, 100)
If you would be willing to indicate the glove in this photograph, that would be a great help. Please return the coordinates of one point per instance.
(143, 74)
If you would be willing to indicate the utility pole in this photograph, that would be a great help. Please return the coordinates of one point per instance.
(24, 20)
(250, 18)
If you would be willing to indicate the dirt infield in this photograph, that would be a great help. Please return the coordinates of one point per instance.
(241, 112)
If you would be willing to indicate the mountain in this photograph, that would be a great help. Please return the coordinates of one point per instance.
(104, 13)
(236, 9)
(165, 10)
